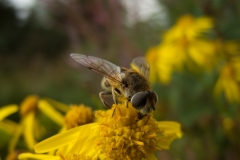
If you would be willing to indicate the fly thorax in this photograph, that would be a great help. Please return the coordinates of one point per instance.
(133, 82)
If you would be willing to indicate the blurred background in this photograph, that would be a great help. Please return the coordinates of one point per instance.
(36, 38)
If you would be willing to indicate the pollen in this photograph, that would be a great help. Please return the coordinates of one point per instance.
(78, 115)
(123, 136)
(28, 105)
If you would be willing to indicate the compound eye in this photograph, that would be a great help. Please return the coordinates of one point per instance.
(156, 97)
(139, 100)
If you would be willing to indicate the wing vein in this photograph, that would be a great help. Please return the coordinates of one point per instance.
(98, 65)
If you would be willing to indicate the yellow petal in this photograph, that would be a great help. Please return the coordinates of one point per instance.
(166, 141)
(24, 156)
(59, 140)
(8, 110)
(218, 87)
(48, 110)
(8, 126)
(15, 138)
(58, 105)
(151, 157)
(85, 141)
(232, 91)
(170, 127)
(151, 57)
(172, 131)
(28, 131)
(203, 23)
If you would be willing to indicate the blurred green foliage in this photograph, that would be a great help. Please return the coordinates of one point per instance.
(34, 59)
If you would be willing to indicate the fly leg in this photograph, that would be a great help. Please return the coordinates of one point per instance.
(105, 94)
(127, 101)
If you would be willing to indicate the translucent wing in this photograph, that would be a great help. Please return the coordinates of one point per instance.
(99, 65)
(141, 65)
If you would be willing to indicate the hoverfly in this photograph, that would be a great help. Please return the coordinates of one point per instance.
(119, 82)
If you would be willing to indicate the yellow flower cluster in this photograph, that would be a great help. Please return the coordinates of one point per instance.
(182, 46)
(30, 128)
(118, 133)
(115, 135)
(185, 45)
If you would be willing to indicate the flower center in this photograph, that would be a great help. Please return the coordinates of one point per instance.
(78, 115)
(29, 104)
(123, 136)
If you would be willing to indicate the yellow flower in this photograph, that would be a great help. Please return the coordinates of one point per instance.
(124, 136)
(229, 71)
(183, 45)
(187, 29)
(29, 125)
(78, 115)
(66, 144)
(185, 40)
(229, 79)
(118, 135)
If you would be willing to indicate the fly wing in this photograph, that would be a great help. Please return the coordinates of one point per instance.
(141, 66)
(101, 66)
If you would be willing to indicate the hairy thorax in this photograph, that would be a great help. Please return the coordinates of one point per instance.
(133, 82)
